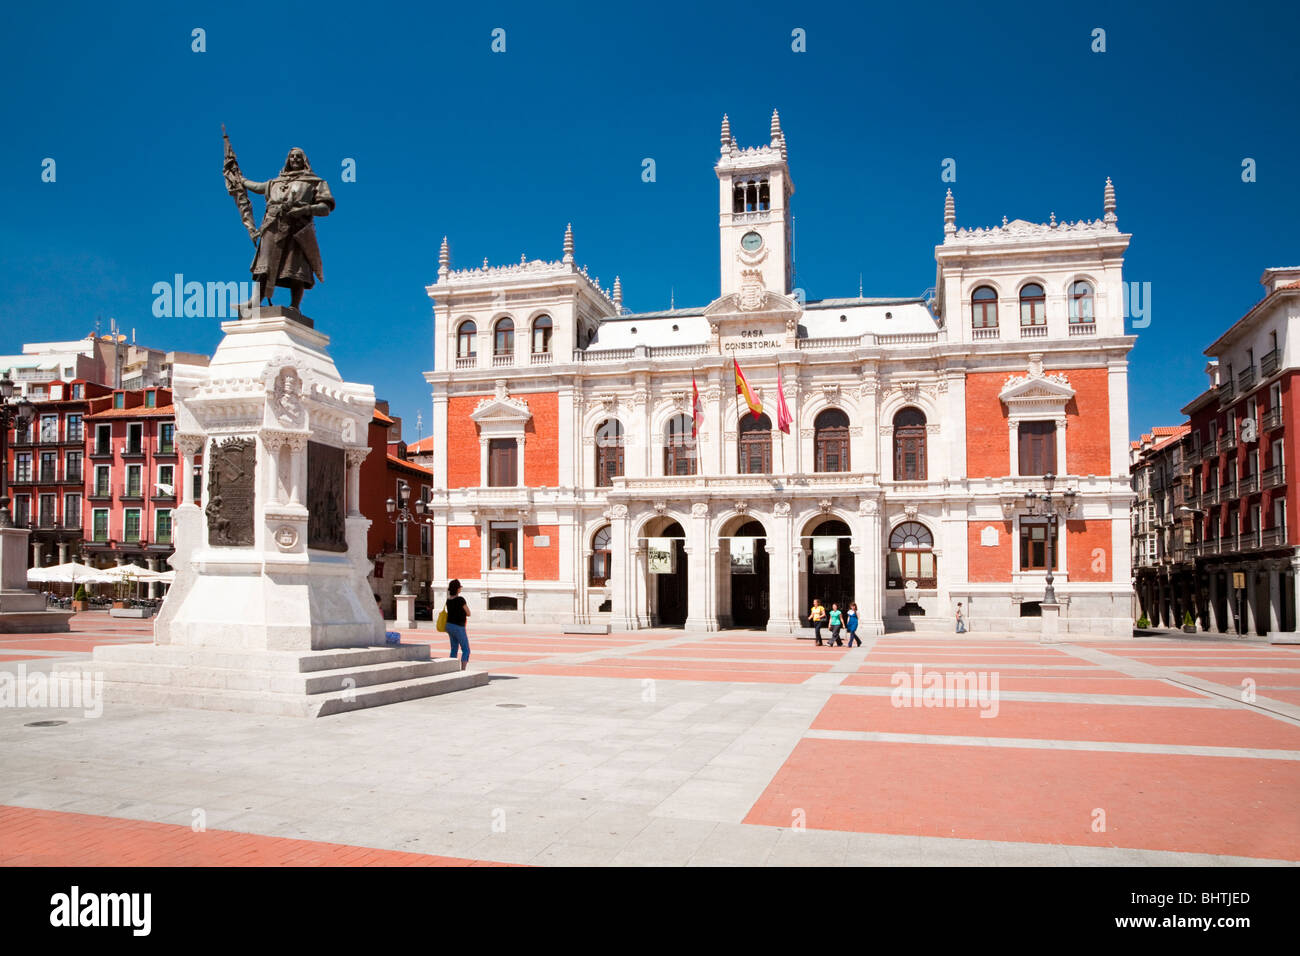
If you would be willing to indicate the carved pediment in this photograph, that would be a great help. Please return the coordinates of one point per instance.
(501, 409)
(1037, 390)
(771, 303)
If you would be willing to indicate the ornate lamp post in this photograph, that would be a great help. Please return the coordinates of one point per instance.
(1041, 504)
(400, 512)
(16, 414)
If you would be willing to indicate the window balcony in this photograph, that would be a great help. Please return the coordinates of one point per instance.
(1272, 477)
(505, 359)
(72, 477)
(1246, 379)
(1273, 537)
(1269, 362)
(1033, 331)
(164, 448)
(1248, 485)
(542, 358)
(978, 334)
(1227, 443)
(101, 451)
(467, 361)
(1225, 394)
(133, 450)
(1228, 490)
(1271, 420)
(1083, 328)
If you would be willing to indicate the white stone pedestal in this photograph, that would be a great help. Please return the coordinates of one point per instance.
(271, 611)
(22, 610)
(1051, 624)
(405, 615)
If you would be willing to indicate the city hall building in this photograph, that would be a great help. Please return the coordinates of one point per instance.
(581, 481)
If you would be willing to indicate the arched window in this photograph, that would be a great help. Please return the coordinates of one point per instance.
(911, 556)
(738, 198)
(542, 327)
(909, 445)
(984, 308)
(764, 195)
(600, 548)
(831, 441)
(755, 445)
(1033, 305)
(1081, 303)
(609, 452)
(751, 198)
(503, 342)
(679, 447)
(467, 340)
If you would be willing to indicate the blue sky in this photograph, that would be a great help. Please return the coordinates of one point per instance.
(499, 151)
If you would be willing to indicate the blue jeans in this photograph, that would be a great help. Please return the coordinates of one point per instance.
(458, 639)
(961, 625)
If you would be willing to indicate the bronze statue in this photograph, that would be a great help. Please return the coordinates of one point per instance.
(287, 253)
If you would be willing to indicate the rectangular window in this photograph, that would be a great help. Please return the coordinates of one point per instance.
(72, 466)
(49, 467)
(134, 438)
(1037, 448)
(119, 400)
(100, 520)
(150, 399)
(132, 482)
(503, 554)
(426, 539)
(50, 428)
(72, 511)
(102, 488)
(74, 426)
(23, 466)
(1033, 546)
(47, 503)
(163, 527)
(502, 470)
(166, 481)
(167, 438)
(103, 439)
(131, 525)
(22, 511)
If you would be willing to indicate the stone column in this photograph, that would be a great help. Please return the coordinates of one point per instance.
(152, 564)
(354, 458)
(783, 573)
(297, 445)
(868, 583)
(188, 444)
(272, 442)
(702, 562)
(1275, 621)
(623, 551)
(1248, 604)
(482, 462)
(63, 552)
(37, 548)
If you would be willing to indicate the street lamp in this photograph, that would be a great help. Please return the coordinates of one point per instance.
(1042, 504)
(16, 414)
(400, 513)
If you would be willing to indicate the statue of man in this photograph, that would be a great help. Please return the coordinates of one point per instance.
(287, 253)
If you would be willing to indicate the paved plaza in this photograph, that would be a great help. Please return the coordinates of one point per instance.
(674, 748)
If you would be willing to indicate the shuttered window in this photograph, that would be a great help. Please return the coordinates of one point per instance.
(502, 469)
(1037, 448)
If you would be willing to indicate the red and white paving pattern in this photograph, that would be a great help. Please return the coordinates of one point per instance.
(666, 747)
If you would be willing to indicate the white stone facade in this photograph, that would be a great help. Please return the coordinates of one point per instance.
(869, 359)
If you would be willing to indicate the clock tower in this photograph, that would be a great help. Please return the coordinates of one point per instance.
(754, 190)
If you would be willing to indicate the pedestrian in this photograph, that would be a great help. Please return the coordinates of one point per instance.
(457, 615)
(818, 617)
(852, 624)
(837, 621)
(961, 620)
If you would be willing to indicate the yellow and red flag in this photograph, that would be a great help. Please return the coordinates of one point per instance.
(697, 409)
(742, 388)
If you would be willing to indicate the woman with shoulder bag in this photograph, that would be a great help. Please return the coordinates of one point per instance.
(457, 614)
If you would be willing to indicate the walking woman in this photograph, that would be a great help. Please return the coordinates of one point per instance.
(457, 615)
(852, 624)
(818, 617)
(837, 621)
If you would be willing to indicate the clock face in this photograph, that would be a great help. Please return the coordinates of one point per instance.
(751, 241)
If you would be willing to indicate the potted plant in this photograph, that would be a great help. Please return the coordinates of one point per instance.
(122, 591)
(1143, 623)
(79, 599)
(1189, 625)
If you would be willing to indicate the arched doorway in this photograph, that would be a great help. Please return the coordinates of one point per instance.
(671, 588)
(830, 577)
(750, 582)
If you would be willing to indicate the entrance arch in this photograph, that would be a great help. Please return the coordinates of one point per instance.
(748, 573)
(669, 592)
(830, 586)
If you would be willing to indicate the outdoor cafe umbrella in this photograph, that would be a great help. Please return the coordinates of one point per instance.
(131, 572)
(69, 573)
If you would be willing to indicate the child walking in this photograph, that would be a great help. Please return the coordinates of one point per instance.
(852, 625)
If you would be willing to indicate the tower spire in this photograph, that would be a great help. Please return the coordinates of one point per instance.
(618, 295)
(1108, 202)
(776, 128)
(568, 244)
(949, 214)
(726, 133)
(444, 259)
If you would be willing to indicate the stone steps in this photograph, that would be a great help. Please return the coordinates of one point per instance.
(287, 683)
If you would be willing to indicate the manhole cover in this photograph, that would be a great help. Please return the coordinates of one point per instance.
(47, 723)
(499, 705)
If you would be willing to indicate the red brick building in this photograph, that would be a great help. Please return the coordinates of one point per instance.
(386, 473)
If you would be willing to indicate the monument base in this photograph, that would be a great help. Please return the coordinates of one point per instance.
(22, 611)
(280, 683)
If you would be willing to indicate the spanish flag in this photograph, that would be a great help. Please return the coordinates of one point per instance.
(742, 388)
